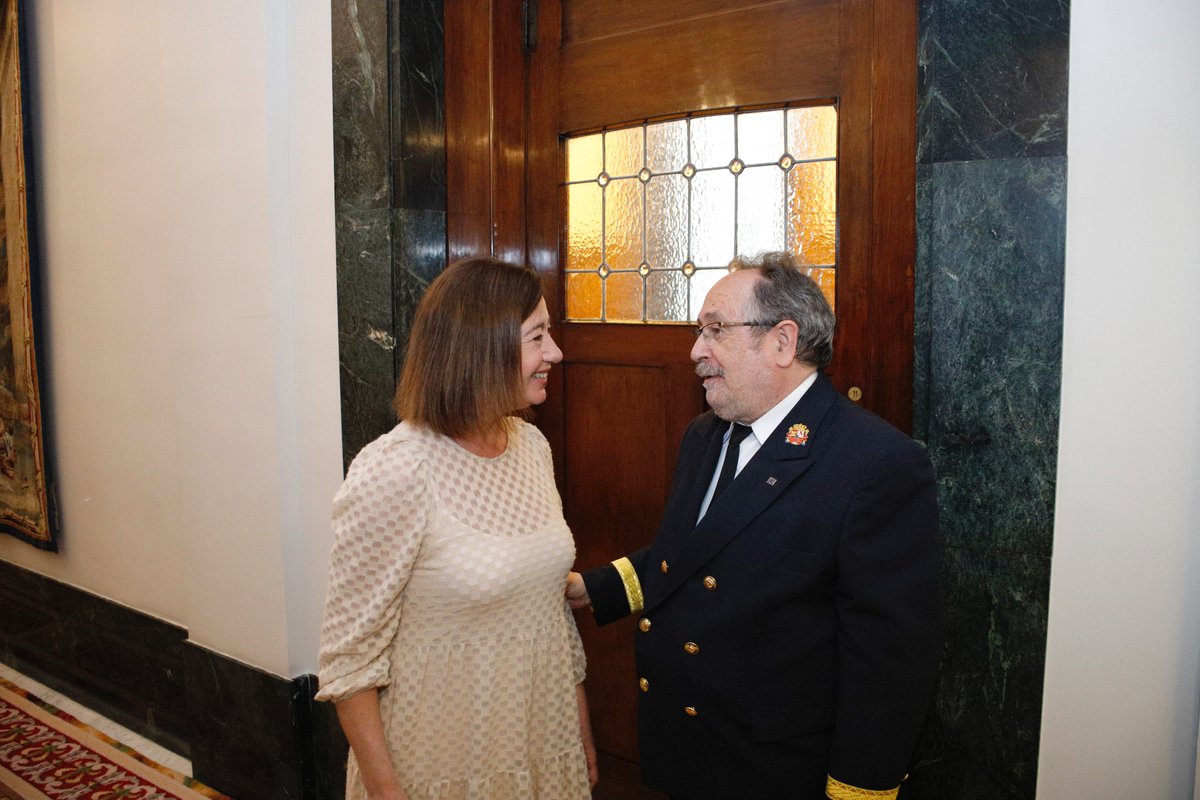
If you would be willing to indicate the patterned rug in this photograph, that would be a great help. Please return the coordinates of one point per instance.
(46, 754)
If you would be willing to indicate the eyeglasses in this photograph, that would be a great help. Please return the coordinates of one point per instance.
(712, 331)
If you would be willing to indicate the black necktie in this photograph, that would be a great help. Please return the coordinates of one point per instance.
(729, 465)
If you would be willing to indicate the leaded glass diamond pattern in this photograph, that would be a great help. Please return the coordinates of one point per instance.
(656, 212)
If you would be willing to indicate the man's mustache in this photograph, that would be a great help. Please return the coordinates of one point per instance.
(707, 370)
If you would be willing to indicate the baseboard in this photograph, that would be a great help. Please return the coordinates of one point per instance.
(248, 733)
(123, 664)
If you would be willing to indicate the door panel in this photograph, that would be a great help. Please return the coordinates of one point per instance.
(695, 60)
(620, 401)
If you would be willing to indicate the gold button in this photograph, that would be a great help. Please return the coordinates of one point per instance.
(690, 711)
(692, 648)
(664, 567)
(644, 624)
(710, 583)
(645, 684)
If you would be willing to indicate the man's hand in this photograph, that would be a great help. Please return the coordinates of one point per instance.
(576, 591)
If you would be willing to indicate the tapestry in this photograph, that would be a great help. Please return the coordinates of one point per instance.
(26, 491)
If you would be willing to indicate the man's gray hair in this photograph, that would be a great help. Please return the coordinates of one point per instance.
(786, 292)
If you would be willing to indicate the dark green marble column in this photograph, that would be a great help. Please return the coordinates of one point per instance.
(991, 215)
(390, 193)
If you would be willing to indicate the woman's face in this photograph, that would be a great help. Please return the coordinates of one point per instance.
(538, 352)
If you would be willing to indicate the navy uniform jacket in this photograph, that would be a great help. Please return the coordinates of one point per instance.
(794, 633)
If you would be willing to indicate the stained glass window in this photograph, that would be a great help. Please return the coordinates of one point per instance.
(656, 212)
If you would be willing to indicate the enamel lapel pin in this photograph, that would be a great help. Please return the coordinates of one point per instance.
(797, 434)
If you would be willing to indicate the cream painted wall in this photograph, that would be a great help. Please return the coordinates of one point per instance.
(184, 152)
(1122, 687)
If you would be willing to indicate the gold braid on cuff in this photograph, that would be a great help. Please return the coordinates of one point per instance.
(633, 587)
(836, 790)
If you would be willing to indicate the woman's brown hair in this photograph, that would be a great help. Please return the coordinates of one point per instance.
(462, 373)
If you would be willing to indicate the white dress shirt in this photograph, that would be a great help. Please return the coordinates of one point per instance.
(760, 429)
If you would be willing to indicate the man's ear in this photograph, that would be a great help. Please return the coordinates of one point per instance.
(783, 340)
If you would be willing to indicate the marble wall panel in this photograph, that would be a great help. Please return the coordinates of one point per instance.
(993, 254)
(252, 735)
(981, 739)
(390, 165)
(367, 338)
(420, 255)
(361, 119)
(991, 226)
(417, 71)
(994, 79)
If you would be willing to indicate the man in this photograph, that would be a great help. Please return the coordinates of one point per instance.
(789, 629)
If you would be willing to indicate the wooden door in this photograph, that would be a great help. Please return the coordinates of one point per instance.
(522, 76)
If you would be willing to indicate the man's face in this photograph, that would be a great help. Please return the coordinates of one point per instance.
(734, 363)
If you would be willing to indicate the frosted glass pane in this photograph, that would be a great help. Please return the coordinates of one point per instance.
(583, 295)
(666, 146)
(584, 158)
(812, 132)
(812, 213)
(760, 137)
(623, 224)
(712, 220)
(701, 282)
(761, 209)
(583, 226)
(623, 152)
(712, 141)
(826, 278)
(667, 297)
(666, 221)
(623, 297)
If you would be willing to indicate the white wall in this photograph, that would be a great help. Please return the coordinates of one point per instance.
(1123, 657)
(185, 156)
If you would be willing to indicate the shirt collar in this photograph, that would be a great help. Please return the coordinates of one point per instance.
(768, 422)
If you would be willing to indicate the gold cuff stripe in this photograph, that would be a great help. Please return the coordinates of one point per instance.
(836, 790)
(633, 587)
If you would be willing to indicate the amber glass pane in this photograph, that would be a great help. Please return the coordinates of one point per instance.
(584, 158)
(666, 296)
(583, 226)
(623, 152)
(583, 295)
(812, 132)
(666, 146)
(623, 297)
(760, 137)
(623, 223)
(712, 219)
(712, 141)
(666, 221)
(812, 213)
(762, 211)
(825, 278)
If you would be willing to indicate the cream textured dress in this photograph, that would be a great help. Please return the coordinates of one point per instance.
(446, 593)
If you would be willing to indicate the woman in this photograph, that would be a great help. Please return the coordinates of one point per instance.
(447, 645)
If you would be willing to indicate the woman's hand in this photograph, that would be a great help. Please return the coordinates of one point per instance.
(585, 732)
(390, 794)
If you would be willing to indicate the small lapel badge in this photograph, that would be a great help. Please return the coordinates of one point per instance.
(771, 481)
(797, 434)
